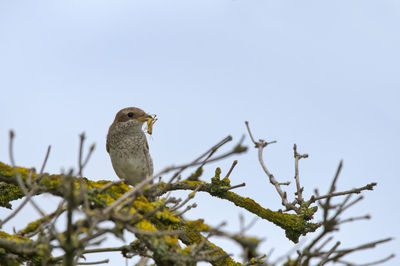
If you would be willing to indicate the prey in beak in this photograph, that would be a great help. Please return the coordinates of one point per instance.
(150, 122)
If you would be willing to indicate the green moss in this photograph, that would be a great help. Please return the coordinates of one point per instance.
(9, 192)
(217, 185)
(226, 182)
(31, 227)
(54, 185)
(294, 225)
(192, 236)
(35, 257)
(191, 183)
(306, 212)
(8, 171)
(290, 263)
(6, 260)
(17, 238)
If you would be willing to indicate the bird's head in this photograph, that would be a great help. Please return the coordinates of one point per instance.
(131, 118)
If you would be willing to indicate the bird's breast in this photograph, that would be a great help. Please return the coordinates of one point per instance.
(130, 157)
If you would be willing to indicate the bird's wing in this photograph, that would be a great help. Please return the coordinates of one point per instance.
(107, 146)
(149, 161)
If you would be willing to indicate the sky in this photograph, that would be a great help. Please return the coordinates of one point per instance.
(321, 74)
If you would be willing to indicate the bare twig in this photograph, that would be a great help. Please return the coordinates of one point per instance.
(189, 207)
(391, 256)
(351, 191)
(153, 233)
(231, 169)
(107, 186)
(332, 188)
(244, 228)
(352, 219)
(10, 147)
(46, 157)
(325, 258)
(189, 197)
(297, 157)
(26, 193)
(260, 145)
(82, 163)
(94, 262)
(233, 187)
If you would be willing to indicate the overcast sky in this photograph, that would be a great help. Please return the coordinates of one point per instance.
(322, 74)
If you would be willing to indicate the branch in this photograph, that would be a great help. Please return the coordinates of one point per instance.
(293, 224)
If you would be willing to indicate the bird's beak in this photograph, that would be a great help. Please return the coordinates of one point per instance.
(144, 118)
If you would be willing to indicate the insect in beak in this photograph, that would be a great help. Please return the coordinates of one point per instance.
(150, 122)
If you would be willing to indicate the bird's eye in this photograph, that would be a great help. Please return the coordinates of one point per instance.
(130, 114)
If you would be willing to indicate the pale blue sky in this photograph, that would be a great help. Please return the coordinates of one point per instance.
(323, 74)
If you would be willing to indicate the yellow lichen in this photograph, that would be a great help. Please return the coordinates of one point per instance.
(171, 240)
(17, 238)
(141, 203)
(146, 225)
(167, 216)
(198, 225)
(31, 227)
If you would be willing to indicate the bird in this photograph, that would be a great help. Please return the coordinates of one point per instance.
(128, 147)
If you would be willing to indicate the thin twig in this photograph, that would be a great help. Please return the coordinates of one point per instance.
(80, 153)
(189, 207)
(94, 262)
(101, 250)
(233, 187)
(107, 186)
(46, 157)
(352, 219)
(391, 256)
(351, 191)
(297, 157)
(189, 197)
(325, 258)
(82, 163)
(26, 192)
(153, 233)
(231, 169)
(244, 228)
(10, 147)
